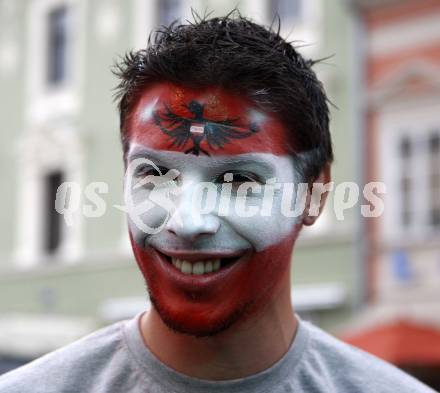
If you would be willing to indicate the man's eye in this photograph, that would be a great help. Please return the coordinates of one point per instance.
(148, 177)
(147, 170)
(238, 178)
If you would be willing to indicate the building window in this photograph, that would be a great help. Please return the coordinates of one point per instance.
(406, 183)
(54, 224)
(57, 45)
(419, 181)
(168, 11)
(434, 180)
(289, 11)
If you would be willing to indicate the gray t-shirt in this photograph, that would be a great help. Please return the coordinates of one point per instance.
(115, 359)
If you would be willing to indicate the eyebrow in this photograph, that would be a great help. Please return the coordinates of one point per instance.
(222, 161)
(238, 161)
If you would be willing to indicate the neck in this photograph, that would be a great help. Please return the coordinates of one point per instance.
(265, 336)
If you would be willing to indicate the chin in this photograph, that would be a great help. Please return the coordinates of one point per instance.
(205, 325)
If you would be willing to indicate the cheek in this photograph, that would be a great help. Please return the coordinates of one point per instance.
(260, 221)
(144, 217)
(142, 259)
(269, 270)
(263, 232)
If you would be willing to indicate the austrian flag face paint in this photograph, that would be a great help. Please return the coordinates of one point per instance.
(206, 271)
(208, 122)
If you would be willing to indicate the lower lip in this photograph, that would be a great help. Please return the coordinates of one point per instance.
(193, 281)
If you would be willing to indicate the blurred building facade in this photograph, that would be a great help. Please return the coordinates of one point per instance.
(402, 133)
(58, 280)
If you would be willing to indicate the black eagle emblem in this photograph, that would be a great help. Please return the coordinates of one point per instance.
(198, 128)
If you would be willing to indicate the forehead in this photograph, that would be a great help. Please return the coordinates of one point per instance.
(203, 122)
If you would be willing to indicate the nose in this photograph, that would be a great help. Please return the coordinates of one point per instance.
(188, 223)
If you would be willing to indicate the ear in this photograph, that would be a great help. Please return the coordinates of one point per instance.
(318, 201)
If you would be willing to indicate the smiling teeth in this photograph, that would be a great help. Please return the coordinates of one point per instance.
(200, 267)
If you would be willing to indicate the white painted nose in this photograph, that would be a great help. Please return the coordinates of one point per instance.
(188, 223)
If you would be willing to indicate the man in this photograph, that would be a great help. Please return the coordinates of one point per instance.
(221, 113)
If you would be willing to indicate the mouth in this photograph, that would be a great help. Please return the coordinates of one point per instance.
(200, 264)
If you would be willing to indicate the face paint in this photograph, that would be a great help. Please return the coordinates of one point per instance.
(174, 118)
(204, 135)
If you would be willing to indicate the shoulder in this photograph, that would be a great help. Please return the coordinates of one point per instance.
(66, 369)
(348, 369)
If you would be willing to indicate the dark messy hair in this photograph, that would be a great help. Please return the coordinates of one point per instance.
(243, 57)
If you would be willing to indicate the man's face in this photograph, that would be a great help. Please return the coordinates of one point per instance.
(207, 268)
